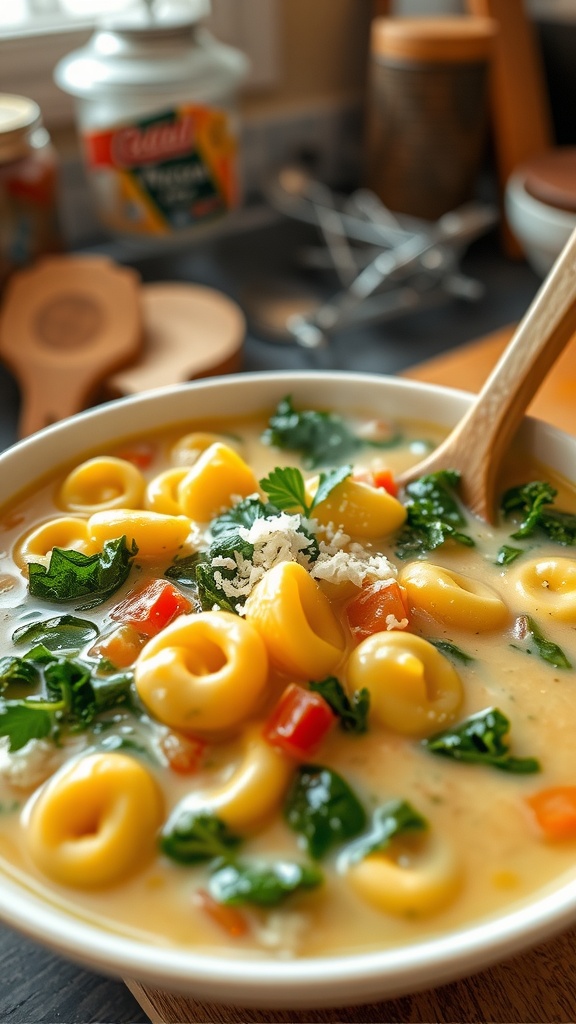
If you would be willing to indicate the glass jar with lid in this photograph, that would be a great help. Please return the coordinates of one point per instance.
(155, 95)
(28, 185)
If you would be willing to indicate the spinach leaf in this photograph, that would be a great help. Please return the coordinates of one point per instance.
(245, 514)
(480, 739)
(321, 438)
(433, 515)
(532, 503)
(393, 819)
(192, 837)
(526, 629)
(507, 554)
(265, 885)
(322, 808)
(352, 712)
(17, 670)
(286, 487)
(452, 650)
(71, 574)
(210, 574)
(61, 633)
(183, 570)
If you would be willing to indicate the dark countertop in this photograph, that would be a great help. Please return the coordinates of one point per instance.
(38, 987)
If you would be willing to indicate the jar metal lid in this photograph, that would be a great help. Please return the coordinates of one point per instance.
(436, 40)
(18, 117)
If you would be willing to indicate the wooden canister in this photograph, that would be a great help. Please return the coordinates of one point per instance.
(427, 111)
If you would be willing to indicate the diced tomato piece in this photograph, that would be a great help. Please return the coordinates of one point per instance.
(384, 478)
(378, 607)
(555, 811)
(229, 918)
(299, 722)
(152, 608)
(184, 755)
(122, 646)
(139, 454)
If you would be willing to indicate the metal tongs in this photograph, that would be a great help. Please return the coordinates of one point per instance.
(387, 264)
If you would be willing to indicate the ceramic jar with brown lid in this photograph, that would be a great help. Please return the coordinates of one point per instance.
(427, 111)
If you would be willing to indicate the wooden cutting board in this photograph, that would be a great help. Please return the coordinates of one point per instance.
(537, 986)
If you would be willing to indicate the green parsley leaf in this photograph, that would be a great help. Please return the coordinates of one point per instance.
(323, 809)
(352, 712)
(287, 490)
(433, 515)
(265, 885)
(194, 837)
(480, 739)
(71, 574)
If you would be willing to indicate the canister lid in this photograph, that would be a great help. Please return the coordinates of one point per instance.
(18, 116)
(551, 177)
(434, 40)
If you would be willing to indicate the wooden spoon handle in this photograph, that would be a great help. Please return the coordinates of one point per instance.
(480, 440)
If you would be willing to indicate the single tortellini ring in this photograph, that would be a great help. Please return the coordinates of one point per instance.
(358, 508)
(414, 690)
(102, 483)
(452, 598)
(95, 821)
(549, 585)
(255, 790)
(162, 491)
(412, 877)
(204, 674)
(68, 532)
(189, 447)
(296, 622)
(156, 535)
(216, 481)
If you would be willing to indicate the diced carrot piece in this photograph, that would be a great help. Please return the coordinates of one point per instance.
(380, 605)
(122, 646)
(230, 919)
(555, 811)
(139, 454)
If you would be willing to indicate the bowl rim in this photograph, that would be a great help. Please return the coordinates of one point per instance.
(251, 980)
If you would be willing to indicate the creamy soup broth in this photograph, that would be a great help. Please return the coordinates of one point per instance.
(479, 813)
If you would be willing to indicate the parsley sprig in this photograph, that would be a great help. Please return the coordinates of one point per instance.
(286, 488)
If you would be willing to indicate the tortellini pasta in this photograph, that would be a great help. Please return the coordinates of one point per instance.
(162, 491)
(95, 821)
(296, 622)
(218, 478)
(255, 789)
(453, 598)
(204, 673)
(414, 690)
(63, 532)
(155, 534)
(187, 449)
(358, 508)
(548, 585)
(102, 483)
(413, 877)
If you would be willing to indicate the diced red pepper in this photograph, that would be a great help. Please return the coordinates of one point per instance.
(152, 608)
(299, 722)
(384, 478)
(369, 612)
(184, 755)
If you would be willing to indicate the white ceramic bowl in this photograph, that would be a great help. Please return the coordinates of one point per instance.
(334, 980)
(541, 230)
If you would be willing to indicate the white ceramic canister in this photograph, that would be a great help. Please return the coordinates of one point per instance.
(156, 97)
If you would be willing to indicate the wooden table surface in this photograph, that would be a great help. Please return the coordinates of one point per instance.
(537, 986)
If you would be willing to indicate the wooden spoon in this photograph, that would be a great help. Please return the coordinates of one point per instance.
(478, 443)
